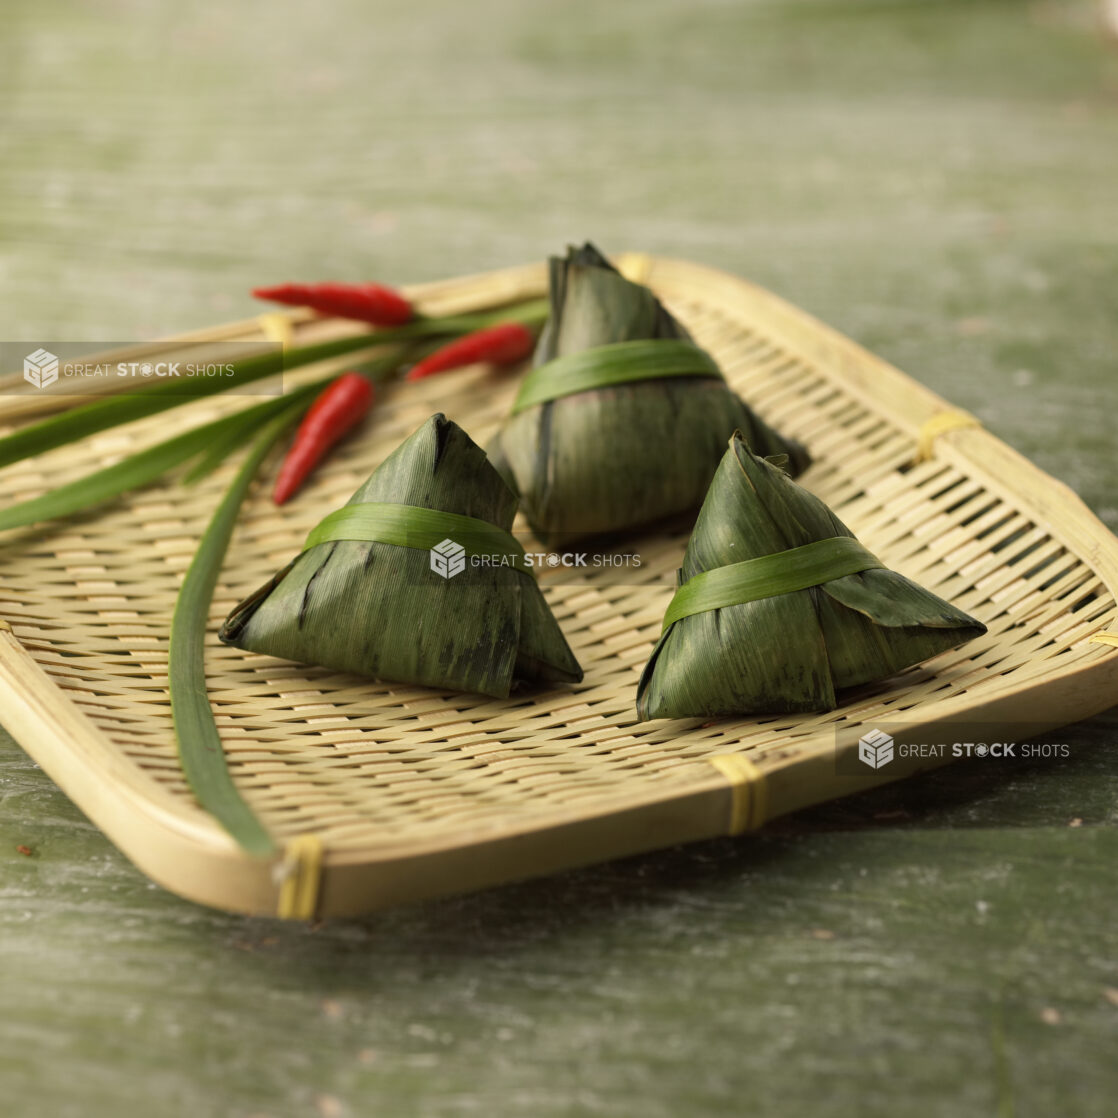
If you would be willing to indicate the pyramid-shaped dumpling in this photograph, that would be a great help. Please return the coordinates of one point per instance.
(639, 448)
(779, 648)
(395, 610)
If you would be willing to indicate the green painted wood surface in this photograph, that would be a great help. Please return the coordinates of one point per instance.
(938, 180)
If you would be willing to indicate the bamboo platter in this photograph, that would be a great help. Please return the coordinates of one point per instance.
(380, 794)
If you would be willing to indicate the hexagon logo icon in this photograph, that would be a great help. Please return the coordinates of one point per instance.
(875, 749)
(448, 558)
(40, 368)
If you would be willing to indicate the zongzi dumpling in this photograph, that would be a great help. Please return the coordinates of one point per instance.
(779, 606)
(623, 419)
(388, 586)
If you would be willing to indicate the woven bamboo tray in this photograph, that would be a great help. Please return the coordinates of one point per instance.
(381, 794)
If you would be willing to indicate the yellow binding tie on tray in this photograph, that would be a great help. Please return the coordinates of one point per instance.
(1098, 638)
(938, 425)
(300, 875)
(747, 786)
(635, 266)
(277, 327)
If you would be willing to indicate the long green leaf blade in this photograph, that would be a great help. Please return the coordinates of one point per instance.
(214, 441)
(200, 750)
(114, 410)
(132, 472)
(226, 442)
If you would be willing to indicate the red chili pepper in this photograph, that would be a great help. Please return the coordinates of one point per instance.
(499, 345)
(340, 406)
(366, 302)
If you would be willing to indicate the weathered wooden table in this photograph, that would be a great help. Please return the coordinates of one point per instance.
(938, 180)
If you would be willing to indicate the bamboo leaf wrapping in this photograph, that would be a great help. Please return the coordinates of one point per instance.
(790, 652)
(378, 609)
(610, 459)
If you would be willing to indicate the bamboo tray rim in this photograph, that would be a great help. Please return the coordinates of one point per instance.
(149, 824)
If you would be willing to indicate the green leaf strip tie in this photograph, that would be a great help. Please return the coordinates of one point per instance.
(784, 572)
(608, 365)
(418, 528)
